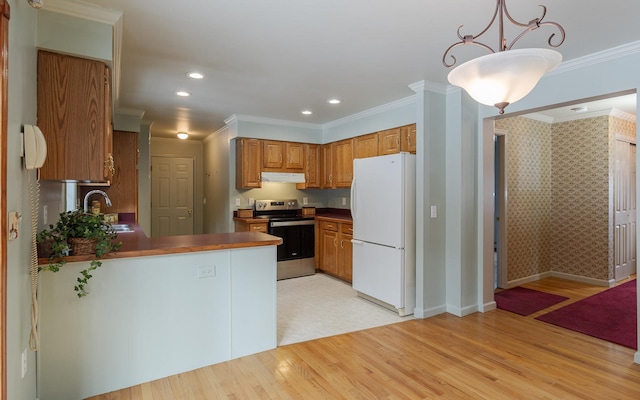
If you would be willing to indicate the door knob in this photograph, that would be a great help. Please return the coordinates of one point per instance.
(189, 211)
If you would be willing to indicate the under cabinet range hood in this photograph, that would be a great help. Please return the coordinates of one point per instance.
(284, 177)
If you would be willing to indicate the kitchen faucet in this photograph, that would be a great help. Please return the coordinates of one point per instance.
(89, 193)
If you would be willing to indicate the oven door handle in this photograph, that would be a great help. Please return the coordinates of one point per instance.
(276, 224)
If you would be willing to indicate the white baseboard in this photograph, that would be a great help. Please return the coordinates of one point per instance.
(429, 312)
(490, 306)
(584, 279)
(562, 275)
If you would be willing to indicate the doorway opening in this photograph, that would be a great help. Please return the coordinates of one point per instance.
(493, 231)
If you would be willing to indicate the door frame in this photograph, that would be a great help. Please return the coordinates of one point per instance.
(500, 193)
(4, 104)
(631, 141)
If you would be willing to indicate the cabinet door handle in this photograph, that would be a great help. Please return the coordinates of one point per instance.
(335, 243)
(397, 140)
(342, 243)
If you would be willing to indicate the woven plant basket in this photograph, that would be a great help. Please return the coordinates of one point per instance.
(82, 246)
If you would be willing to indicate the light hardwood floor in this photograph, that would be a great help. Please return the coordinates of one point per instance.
(495, 355)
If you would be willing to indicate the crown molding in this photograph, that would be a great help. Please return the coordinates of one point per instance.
(596, 58)
(83, 10)
(429, 86)
(371, 112)
(270, 121)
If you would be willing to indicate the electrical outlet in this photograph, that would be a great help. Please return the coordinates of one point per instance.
(344, 201)
(305, 201)
(24, 363)
(434, 211)
(237, 202)
(251, 201)
(206, 272)
(45, 214)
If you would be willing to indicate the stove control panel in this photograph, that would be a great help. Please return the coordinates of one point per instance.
(269, 205)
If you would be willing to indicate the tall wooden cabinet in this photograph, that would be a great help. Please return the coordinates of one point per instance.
(248, 163)
(326, 166)
(123, 191)
(74, 114)
(312, 166)
(343, 163)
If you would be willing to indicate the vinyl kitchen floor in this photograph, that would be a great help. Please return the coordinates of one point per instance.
(317, 306)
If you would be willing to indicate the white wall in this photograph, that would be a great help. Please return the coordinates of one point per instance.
(71, 35)
(22, 110)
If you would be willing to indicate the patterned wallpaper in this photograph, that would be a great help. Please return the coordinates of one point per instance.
(528, 146)
(559, 195)
(581, 232)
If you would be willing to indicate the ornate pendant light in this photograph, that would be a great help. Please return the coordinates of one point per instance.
(504, 76)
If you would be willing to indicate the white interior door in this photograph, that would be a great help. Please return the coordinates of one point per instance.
(624, 240)
(171, 196)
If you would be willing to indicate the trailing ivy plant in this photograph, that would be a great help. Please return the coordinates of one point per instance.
(78, 224)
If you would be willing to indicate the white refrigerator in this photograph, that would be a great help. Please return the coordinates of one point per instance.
(384, 230)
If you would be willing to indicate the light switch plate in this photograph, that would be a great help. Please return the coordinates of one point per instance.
(434, 211)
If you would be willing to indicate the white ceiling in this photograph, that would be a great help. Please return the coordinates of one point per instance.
(274, 58)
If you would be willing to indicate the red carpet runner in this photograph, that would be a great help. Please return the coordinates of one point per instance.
(610, 315)
(525, 301)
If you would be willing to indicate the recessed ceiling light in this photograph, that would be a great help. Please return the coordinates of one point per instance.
(195, 75)
(183, 135)
(333, 101)
(579, 109)
(183, 94)
(307, 112)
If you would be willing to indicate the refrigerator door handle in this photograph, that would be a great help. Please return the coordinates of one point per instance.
(352, 206)
(356, 241)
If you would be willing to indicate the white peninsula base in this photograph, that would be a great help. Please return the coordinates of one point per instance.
(150, 317)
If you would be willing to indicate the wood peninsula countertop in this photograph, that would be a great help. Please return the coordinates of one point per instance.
(137, 244)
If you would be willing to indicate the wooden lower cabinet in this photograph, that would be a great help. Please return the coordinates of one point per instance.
(345, 252)
(250, 226)
(336, 249)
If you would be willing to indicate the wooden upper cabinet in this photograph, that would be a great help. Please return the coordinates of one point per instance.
(366, 146)
(248, 163)
(123, 191)
(389, 141)
(326, 166)
(272, 154)
(343, 163)
(74, 114)
(295, 156)
(312, 167)
(282, 156)
(408, 138)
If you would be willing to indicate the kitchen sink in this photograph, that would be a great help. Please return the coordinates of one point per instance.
(122, 228)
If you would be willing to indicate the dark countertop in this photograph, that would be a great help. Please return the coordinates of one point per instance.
(336, 214)
(137, 244)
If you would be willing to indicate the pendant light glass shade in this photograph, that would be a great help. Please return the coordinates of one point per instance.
(501, 78)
